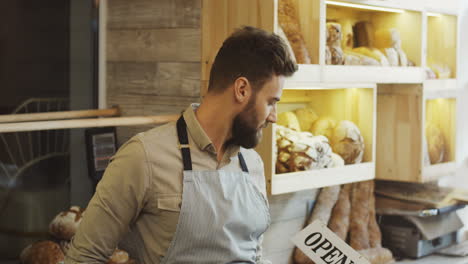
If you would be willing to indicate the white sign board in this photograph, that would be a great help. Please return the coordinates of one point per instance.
(324, 247)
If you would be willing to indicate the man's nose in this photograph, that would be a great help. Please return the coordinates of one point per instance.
(272, 117)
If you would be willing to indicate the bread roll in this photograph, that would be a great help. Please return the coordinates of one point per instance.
(323, 126)
(306, 117)
(118, 257)
(289, 120)
(289, 21)
(43, 252)
(65, 224)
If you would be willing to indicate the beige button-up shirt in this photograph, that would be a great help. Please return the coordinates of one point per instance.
(137, 203)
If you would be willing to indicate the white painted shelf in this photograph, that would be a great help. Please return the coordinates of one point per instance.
(437, 171)
(373, 74)
(311, 74)
(297, 181)
(440, 88)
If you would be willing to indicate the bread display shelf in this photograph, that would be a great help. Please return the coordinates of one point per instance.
(405, 112)
(356, 104)
(401, 117)
(423, 37)
(442, 45)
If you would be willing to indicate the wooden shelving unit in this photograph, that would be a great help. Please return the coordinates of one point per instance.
(403, 111)
(404, 96)
(338, 103)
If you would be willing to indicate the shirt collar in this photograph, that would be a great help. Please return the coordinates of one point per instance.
(199, 136)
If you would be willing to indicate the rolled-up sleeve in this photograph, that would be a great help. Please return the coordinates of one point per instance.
(119, 198)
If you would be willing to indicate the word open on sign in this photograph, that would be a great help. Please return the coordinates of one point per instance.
(324, 247)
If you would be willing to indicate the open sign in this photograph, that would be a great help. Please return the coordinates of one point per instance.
(324, 247)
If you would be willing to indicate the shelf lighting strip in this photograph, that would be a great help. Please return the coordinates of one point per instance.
(367, 7)
(431, 14)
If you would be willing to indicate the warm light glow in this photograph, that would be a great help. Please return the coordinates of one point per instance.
(430, 14)
(368, 7)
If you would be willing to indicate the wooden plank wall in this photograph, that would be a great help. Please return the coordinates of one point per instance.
(153, 57)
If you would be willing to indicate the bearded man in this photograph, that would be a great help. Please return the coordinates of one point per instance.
(193, 191)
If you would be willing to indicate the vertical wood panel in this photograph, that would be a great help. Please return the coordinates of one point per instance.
(399, 132)
(221, 17)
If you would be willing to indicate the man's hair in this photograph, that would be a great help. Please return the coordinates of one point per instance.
(251, 53)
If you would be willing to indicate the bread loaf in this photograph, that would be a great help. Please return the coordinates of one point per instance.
(65, 224)
(334, 43)
(347, 142)
(355, 58)
(373, 53)
(339, 221)
(392, 56)
(363, 34)
(283, 36)
(43, 252)
(289, 21)
(377, 255)
(358, 232)
(299, 151)
(324, 204)
(375, 236)
(435, 143)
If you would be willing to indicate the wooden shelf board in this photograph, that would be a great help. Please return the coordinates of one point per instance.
(373, 74)
(440, 88)
(437, 171)
(297, 181)
(306, 75)
(414, 5)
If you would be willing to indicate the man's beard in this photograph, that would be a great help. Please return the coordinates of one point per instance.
(245, 131)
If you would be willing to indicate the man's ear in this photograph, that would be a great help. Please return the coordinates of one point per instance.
(242, 90)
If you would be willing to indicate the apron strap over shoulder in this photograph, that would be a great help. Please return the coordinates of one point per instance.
(185, 149)
(184, 144)
(242, 163)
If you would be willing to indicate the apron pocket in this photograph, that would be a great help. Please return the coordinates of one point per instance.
(170, 203)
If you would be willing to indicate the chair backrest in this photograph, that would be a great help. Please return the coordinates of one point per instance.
(23, 149)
